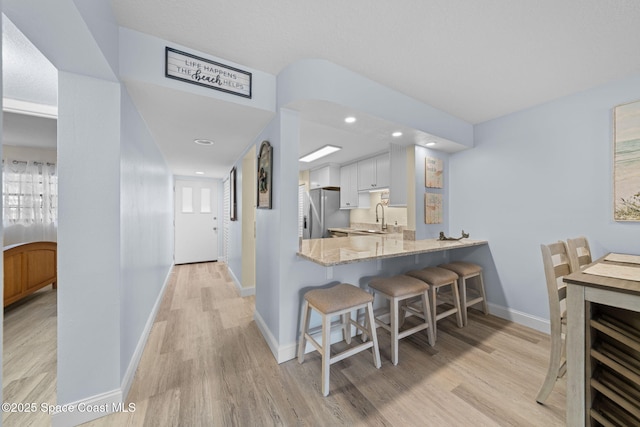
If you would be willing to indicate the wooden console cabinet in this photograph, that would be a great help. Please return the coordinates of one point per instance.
(603, 349)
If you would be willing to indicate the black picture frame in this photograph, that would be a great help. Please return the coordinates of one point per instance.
(233, 204)
(265, 176)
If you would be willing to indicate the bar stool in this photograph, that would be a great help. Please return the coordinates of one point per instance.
(466, 271)
(397, 290)
(438, 278)
(338, 300)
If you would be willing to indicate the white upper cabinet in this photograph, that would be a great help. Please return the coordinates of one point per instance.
(373, 173)
(326, 176)
(398, 180)
(383, 171)
(349, 186)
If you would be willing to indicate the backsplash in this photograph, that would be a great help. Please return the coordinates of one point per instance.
(366, 218)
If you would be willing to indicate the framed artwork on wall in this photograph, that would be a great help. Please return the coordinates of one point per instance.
(433, 172)
(233, 206)
(432, 208)
(265, 172)
(626, 162)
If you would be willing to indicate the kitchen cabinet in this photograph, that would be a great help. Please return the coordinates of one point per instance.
(373, 173)
(326, 176)
(398, 180)
(349, 186)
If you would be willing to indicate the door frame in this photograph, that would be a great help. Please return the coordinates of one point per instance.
(249, 195)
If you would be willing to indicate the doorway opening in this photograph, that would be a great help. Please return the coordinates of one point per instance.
(29, 155)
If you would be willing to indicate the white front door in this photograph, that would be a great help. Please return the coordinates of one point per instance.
(196, 221)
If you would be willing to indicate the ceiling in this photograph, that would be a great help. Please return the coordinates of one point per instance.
(474, 60)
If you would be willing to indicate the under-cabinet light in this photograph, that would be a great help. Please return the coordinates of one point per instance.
(320, 152)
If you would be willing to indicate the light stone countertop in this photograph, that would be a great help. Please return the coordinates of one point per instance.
(345, 250)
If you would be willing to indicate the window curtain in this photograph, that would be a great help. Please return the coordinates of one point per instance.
(30, 201)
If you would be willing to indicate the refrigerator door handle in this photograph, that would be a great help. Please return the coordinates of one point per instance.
(310, 222)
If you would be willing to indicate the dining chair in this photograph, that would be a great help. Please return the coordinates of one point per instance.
(579, 253)
(555, 259)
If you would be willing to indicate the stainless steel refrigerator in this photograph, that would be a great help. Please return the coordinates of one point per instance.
(323, 212)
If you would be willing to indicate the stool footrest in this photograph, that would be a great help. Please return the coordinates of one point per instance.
(413, 330)
(474, 301)
(313, 342)
(350, 352)
(446, 313)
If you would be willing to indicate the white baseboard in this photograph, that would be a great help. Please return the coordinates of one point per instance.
(85, 410)
(91, 408)
(242, 291)
(127, 380)
(525, 319)
(268, 336)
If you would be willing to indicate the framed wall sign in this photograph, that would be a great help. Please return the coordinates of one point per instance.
(233, 205)
(626, 162)
(204, 72)
(265, 174)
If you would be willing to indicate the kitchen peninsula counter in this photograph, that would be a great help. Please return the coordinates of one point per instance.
(346, 250)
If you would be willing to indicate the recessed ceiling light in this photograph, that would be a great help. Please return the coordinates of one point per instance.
(199, 173)
(320, 152)
(396, 134)
(430, 144)
(350, 119)
(203, 142)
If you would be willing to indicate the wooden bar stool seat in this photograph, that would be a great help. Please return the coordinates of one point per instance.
(468, 297)
(339, 300)
(438, 278)
(399, 290)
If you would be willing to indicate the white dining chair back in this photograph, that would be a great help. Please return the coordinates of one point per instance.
(579, 253)
(555, 259)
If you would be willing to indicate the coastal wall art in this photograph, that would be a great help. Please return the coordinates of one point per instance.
(432, 208)
(626, 162)
(434, 170)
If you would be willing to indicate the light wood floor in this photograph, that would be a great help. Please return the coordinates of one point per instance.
(29, 356)
(206, 364)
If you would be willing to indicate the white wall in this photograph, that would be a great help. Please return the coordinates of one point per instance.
(146, 225)
(535, 177)
(88, 237)
(322, 80)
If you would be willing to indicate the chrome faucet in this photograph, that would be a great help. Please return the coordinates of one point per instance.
(384, 227)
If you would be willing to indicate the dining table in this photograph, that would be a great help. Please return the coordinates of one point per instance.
(603, 342)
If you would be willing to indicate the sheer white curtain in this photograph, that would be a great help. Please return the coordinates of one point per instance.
(30, 201)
